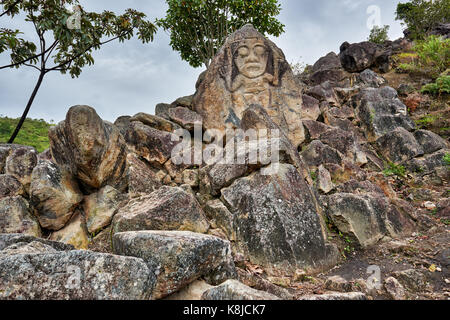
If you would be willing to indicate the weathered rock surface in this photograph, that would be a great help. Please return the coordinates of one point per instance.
(381, 111)
(74, 275)
(20, 164)
(235, 290)
(394, 289)
(317, 153)
(192, 292)
(220, 218)
(94, 151)
(54, 194)
(155, 122)
(185, 117)
(249, 70)
(399, 145)
(7, 240)
(366, 218)
(336, 296)
(153, 145)
(276, 222)
(371, 79)
(178, 257)
(24, 248)
(429, 141)
(167, 208)
(101, 207)
(16, 217)
(357, 57)
(10, 186)
(141, 179)
(74, 233)
(324, 92)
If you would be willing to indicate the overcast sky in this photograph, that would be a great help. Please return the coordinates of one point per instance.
(130, 77)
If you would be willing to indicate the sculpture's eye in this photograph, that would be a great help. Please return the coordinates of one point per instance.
(243, 51)
(259, 50)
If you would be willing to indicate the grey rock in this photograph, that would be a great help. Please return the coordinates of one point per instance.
(10, 186)
(153, 145)
(336, 296)
(366, 218)
(167, 208)
(20, 164)
(381, 111)
(276, 221)
(7, 240)
(394, 289)
(178, 257)
(235, 290)
(74, 275)
(371, 79)
(429, 141)
(16, 217)
(399, 146)
(317, 153)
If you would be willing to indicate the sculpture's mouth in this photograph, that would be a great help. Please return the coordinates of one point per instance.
(253, 67)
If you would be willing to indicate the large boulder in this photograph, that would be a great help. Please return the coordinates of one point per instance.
(167, 208)
(399, 145)
(155, 122)
(16, 216)
(429, 141)
(276, 222)
(20, 164)
(327, 68)
(178, 257)
(54, 194)
(185, 117)
(151, 144)
(74, 275)
(381, 111)
(74, 233)
(357, 57)
(235, 290)
(101, 207)
(366, 218)
(141, 178)
(94, 151)
(7, 240)
(10, 186)
(249, 70)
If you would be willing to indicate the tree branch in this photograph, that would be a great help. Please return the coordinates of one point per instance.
(58, 67)
(10, 8)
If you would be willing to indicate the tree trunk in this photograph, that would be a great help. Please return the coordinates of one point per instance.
(25, 113)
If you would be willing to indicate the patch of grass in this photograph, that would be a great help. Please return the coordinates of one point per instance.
(33, 133)
(426, 121)
(441, 86)
(447, 159)
(392, 169)
(314, 175)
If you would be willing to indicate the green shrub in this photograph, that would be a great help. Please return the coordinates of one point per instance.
(421, 16)
(431, 57)
(379, 34)
(447, 159)
(394, 170)
(442, 85)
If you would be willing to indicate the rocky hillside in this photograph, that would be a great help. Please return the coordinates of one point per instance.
(356, 207)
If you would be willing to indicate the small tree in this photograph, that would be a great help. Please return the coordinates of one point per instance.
(421, 16)
(198, 28)
(73, 37)
(379, 34)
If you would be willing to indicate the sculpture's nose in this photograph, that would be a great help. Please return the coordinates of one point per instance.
(252, 57)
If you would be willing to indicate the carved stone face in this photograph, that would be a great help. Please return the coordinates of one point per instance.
(251, 58)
